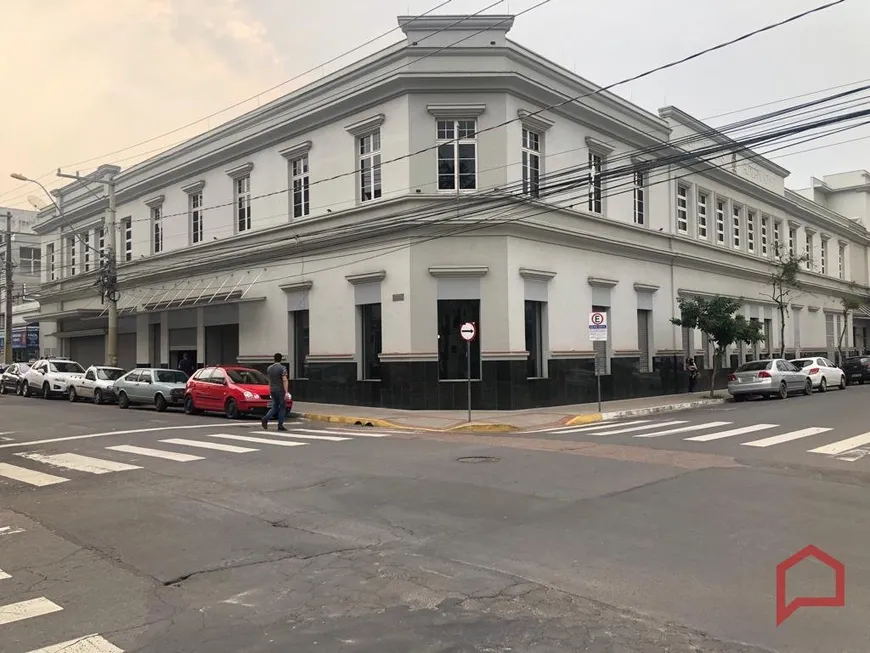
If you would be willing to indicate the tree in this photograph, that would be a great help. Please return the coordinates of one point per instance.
(783, 282)
(848, 304)
(716, 318)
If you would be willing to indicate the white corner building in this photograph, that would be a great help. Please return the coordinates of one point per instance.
(355, 224)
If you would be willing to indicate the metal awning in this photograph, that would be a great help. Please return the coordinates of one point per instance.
(83, 313)
(204, 292)
(864, 311)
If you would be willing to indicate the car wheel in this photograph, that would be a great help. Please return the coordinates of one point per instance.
(231, 409)
(739, 397)
(98, 397)
(72, 395)
(2, 388)
(823, 386)
(189, 407)
(25, 390)
(783, 391)
(123, 400)
(160, 403)
(842, 383)
(46, 391)
(808, 387)
(861, 381)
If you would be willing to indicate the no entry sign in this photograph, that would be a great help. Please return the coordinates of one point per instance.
(468, 331)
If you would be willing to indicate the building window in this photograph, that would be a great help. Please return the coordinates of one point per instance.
(128, 239)
(682, 209)
(639, 197)
(777, 238)
(101, 244)
(765, 221)
(750, 231)
(370, 315)
(535, 339)
(823, 257)
(370, 166)
(156, 229)
(86, 250)
(452, 314)
(841, 262)
(703, 202)
(792, 237)
(72, 245)
(243, 203)
(457, 157)
(596, 164)
(29, 260)
(299, 183)
(531, 162)
(49, 254)
(737, 217)
(810, 247)
(195, 208)
(643, 339)
(720, 222)
(301, 344)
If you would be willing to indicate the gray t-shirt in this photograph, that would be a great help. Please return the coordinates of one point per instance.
(276, 372)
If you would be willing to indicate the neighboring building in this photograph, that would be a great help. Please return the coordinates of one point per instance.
(26, 276)
(422, 194)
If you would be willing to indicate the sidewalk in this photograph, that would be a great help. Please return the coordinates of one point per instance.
(500, 421)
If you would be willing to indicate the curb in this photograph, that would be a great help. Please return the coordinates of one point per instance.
(638, 412)
(483, 428)
(355, 421)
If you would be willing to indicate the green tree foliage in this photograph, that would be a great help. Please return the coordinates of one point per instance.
(783, 283)
(716, 317)
(848, 304)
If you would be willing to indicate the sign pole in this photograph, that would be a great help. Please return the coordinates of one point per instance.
(598, 382)
(598, 333)
(468, 332)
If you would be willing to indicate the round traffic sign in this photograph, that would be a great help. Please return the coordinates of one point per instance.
(597, 318)
(467, 331)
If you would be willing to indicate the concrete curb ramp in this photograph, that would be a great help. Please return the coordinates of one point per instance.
(638, 412)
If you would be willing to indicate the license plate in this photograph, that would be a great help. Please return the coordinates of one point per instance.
(856, 376)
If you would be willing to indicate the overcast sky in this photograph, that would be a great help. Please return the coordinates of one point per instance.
(85, 81)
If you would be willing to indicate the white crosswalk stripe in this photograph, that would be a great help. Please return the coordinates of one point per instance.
(843, 445)
(79, 463)
(709, 437)
(214, 446)
(361, 433)
(598, 427)
(645, 427)
(156, 453)
(302, 436)
(683, 429)
(89, 644)
(787, 437)
(245, 438)
(4, 575)
(8, 530)
(24, 475)
(27, 610)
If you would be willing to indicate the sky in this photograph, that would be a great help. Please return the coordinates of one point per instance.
(89, 82)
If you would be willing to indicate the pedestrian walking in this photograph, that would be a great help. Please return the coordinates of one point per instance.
(186, 364)
(278, 389)
(692, 371)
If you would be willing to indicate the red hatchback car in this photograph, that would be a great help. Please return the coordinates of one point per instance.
(229, 389)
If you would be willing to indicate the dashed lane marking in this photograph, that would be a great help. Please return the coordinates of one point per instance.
(24, 475)
(89, 644)
(156, 453)
(79, 463)
(27, 610)
(214, 446)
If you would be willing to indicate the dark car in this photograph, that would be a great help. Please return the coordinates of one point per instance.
(857, 369)
(12, 378)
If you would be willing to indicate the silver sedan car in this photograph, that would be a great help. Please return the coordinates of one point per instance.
(774, 377)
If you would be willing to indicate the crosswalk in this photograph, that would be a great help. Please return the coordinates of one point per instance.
(755, 436)
(37, 469)
(39, 609)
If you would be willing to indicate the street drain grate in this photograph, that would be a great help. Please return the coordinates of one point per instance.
(478, 459)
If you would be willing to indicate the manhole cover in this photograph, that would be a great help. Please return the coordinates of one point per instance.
(478, 459)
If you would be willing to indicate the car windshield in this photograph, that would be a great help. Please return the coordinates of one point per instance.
(170, 376)
(247, 377)
(755, 366)
(109, 373)
(66, 367)
(804, 362)
(23, 367)
(857, 360)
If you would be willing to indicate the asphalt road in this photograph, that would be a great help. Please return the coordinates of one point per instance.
(133, 531)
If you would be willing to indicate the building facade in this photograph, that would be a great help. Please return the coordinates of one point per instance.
(26, 277)
(356, 224)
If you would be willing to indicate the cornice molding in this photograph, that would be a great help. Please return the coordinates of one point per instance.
(366, 126)
(240, 171)
(194, 188)
(455, 111)
(599, 147)
(536, 275)
(296, 151)
(155, 202)
(599, 282)
(296, 286)
(534, 120)
(794, 224)
(645, 287)
(446, 271)
(366, 277)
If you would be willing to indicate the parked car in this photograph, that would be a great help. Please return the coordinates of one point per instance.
(159, 387)
(822, 372)
(774, 377)
(229, 389)
(51, 377)
(12, 378)
(97, 384)
(857, 369)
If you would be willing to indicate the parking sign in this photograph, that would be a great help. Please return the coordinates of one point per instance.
(598, 326)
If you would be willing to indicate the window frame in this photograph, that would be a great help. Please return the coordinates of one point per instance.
(242, 203)
(639, 180)
(682, 212)
(595, 186)
(195, 216)
(72, 246)
(370, 166)
(751, 218)
(302, 178)
(736, 225)
(531, 158)
(720, 210)
(33, 263)
(52, 269)
(157, 229)
(128, 238)
(703, 202)
(456, 142)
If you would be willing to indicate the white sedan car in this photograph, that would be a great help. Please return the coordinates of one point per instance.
(823, 373)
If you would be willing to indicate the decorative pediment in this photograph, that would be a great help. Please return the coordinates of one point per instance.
(441, 271)
(241, 171)
(456, 111)
(534, 120)
(366, 277)
(536, 275)
(155, 202)
(295, 151)
(194, 188)
(366, 126)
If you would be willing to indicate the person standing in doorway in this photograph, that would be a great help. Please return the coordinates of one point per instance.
(692, 371)
(186, 364)
(278, 388)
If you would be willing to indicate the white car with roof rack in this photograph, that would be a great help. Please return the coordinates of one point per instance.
(50, 377)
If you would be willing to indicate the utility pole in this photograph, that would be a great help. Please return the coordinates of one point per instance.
(7, 345)
(109, 275)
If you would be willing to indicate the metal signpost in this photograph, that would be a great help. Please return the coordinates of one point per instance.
(468, 331)
(598, 333)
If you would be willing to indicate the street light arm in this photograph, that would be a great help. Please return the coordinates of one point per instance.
(20, 177)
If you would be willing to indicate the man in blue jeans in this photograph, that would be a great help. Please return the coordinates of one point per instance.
(278, 388)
